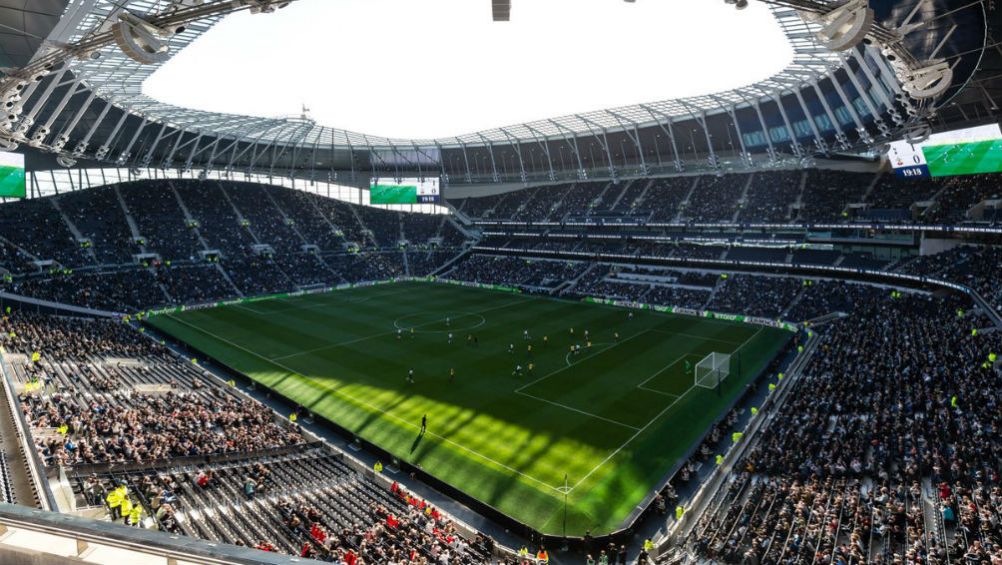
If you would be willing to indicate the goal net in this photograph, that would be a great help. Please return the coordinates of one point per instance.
(712, 370)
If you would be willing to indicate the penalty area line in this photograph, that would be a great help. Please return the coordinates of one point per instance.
(573, 409)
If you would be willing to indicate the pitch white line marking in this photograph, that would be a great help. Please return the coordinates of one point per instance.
(566, 407)
(588, 356)
(458, 328)
(249, 309)
(567, 358)
(663, 369)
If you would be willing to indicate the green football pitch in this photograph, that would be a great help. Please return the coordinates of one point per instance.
(603, 426)
(964, 158)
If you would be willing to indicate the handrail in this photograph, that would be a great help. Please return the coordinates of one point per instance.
(173, 547)
(912, 227)
(58, 306)
(46, 498)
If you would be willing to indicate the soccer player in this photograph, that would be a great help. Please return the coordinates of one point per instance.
(469, 339)
(517, 372)
(400, 333)
(615, 336)
(424, 424)
(511, 348)
(412, 333)
(448, 322)
(528, 350)
(532, 368)
(410, 376)
(629, 315)
(450, 338)
(525, 335)
(452, 375)
(546, 339)
(586, 335)
(572, 331)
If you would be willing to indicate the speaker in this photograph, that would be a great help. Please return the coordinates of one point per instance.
(502, 10)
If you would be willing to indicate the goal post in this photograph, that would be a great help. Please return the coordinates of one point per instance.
(712, 370)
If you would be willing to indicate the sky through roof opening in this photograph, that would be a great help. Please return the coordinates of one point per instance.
(439, 68)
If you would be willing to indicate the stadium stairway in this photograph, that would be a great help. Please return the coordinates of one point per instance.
(573, 282)
(873, 184)
(31, 256)
(798, 204)
(244, 222)
(685, 201)
(643, 194)
(743, 199)
(987, 309)
(793, 303)
(229, 281)
(600, 199)
(451, 263)
(627, 189)
(21, 483)
(129, 220)
(457, 212)
(286, 218)
(189, 219)
(713, 293)
(472, 234)
(366, 232)
(937, 196)
(73, 228)
(326, 219)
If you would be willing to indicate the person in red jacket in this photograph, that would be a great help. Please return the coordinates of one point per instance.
(317, 533)
(265, 546)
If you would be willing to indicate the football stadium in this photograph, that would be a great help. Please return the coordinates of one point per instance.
(465, 282)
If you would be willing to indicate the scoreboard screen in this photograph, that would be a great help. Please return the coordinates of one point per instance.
(404, 191)
(12, 183)
(960, 152)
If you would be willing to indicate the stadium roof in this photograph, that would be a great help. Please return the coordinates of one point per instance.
(402, 75)
(119, 77)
